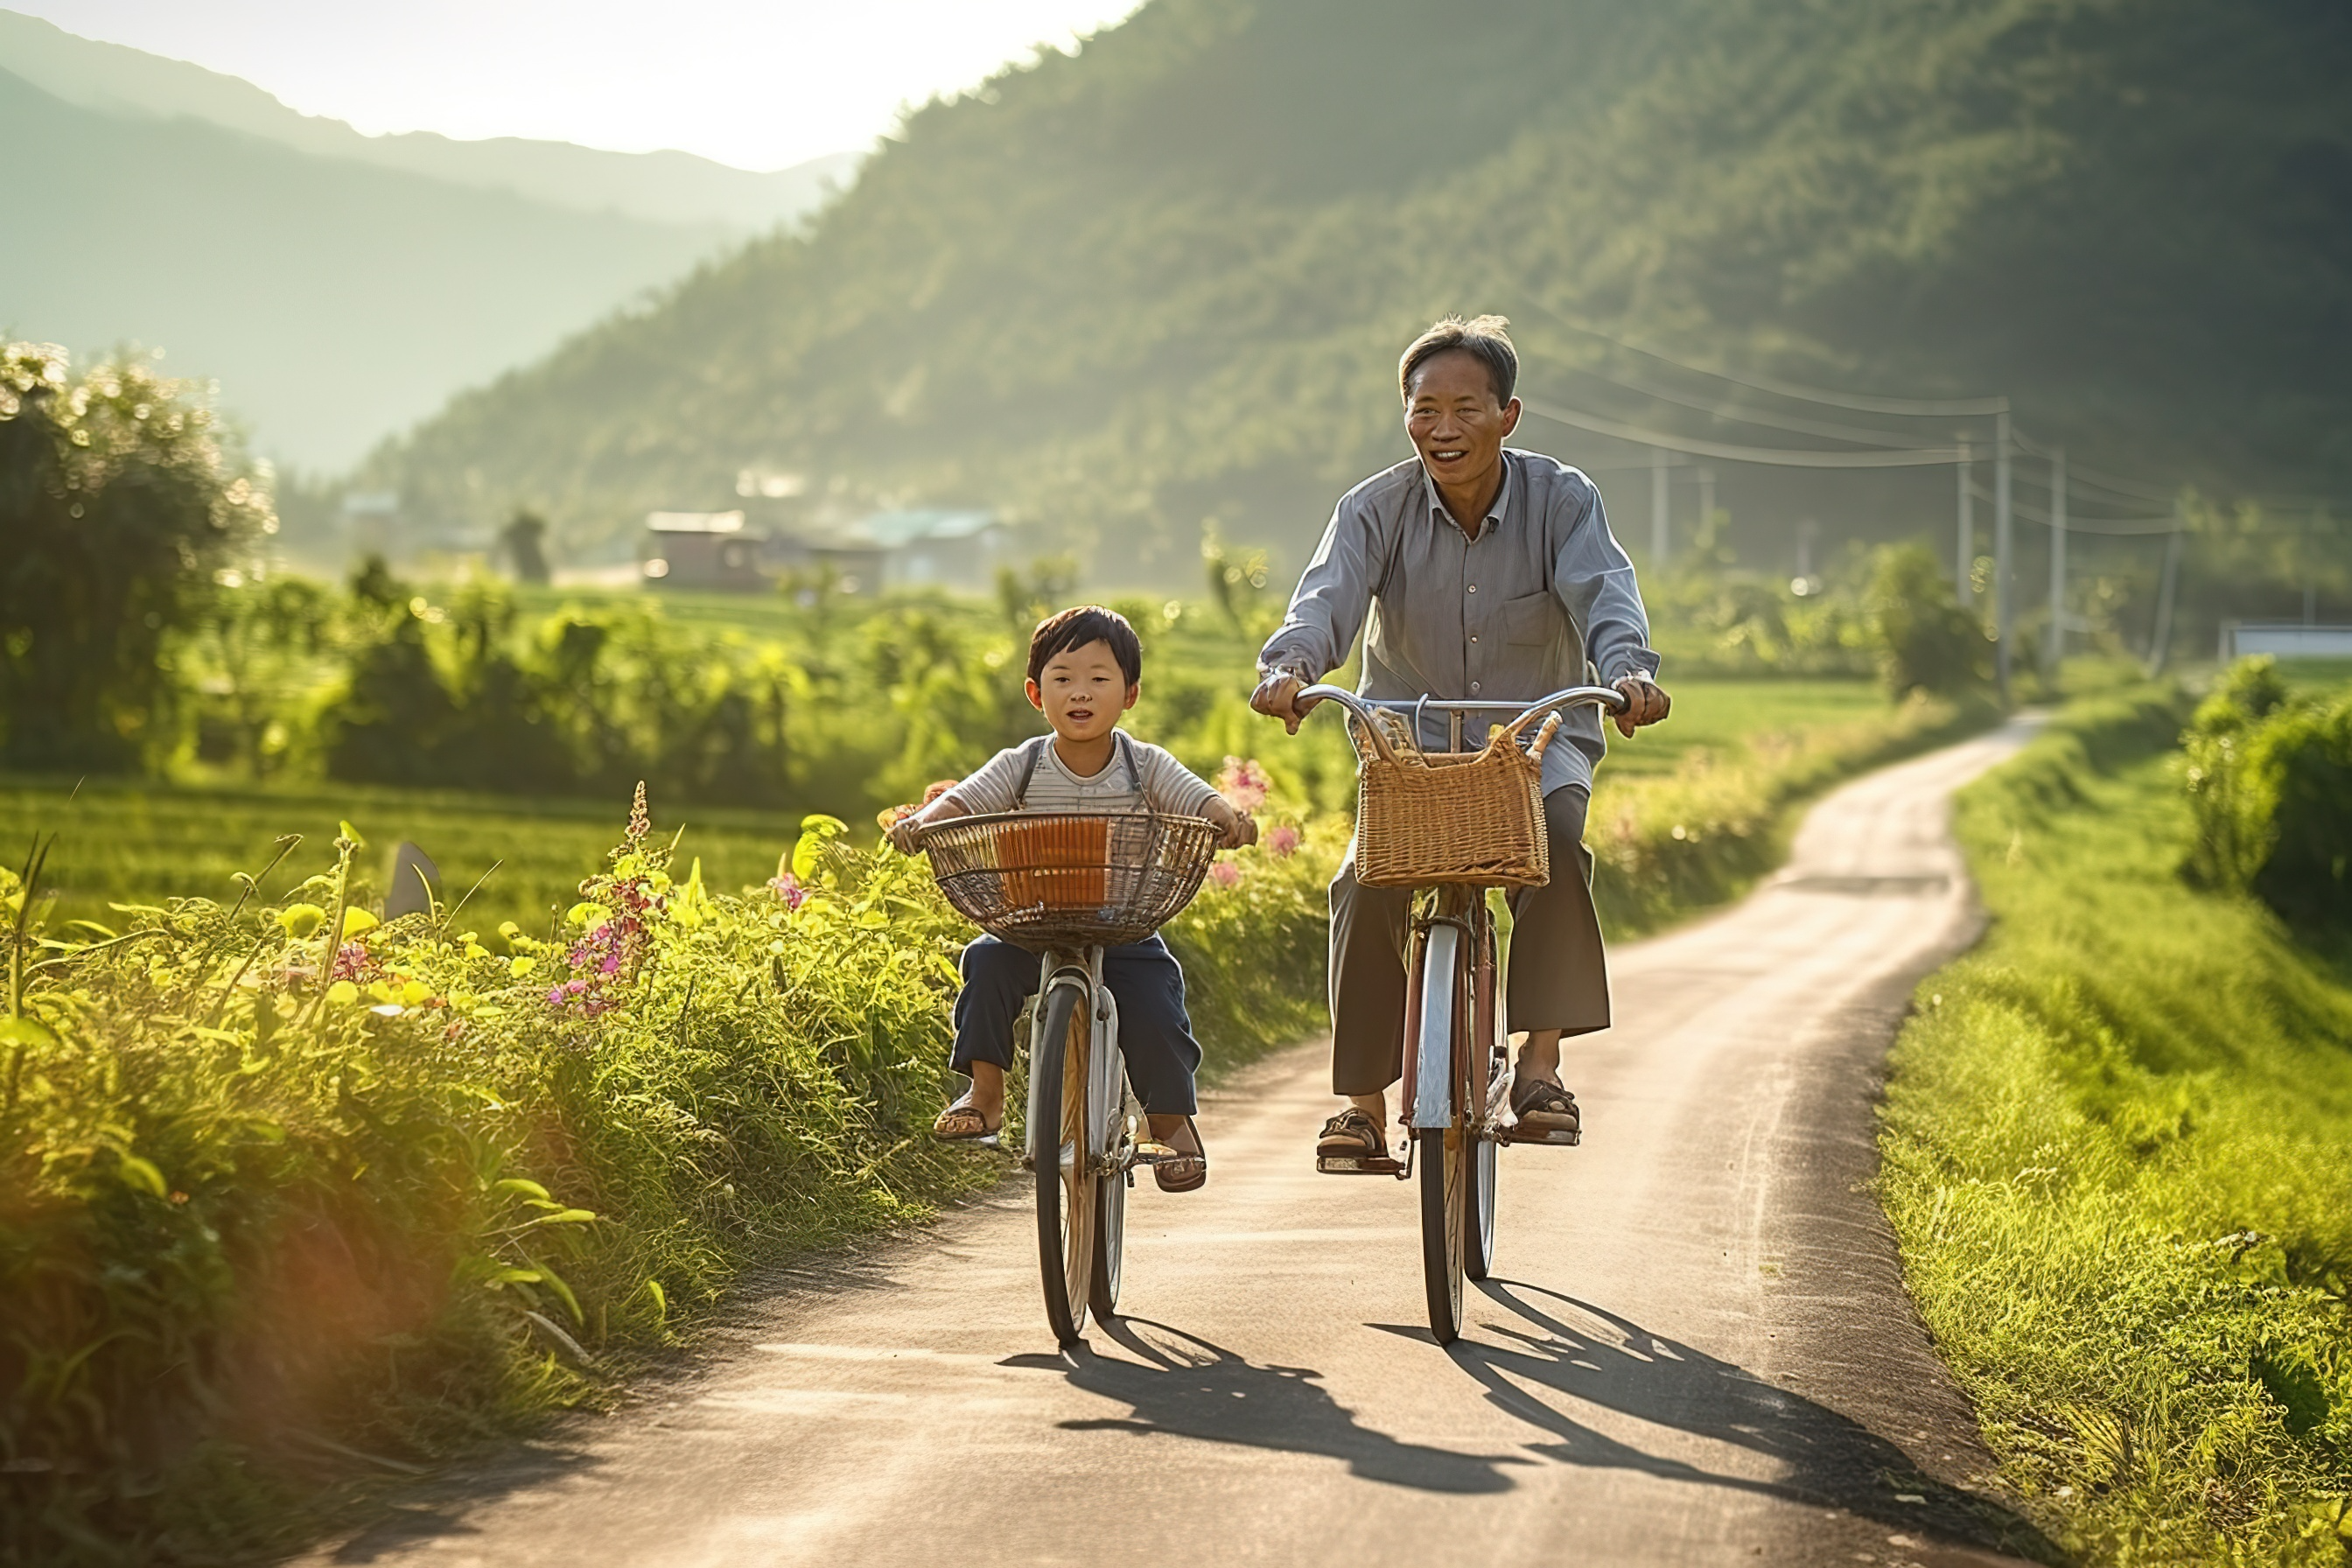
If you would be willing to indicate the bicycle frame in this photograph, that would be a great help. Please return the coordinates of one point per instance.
(1432, 1040)
(1106, 1072)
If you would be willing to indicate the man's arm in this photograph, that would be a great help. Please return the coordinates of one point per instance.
(1326, 611)
(1594, 579)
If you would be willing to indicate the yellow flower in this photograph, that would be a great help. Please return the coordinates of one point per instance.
(343, 994)
(302, 920)
(415, 992)
(521, 967)
(356, 921)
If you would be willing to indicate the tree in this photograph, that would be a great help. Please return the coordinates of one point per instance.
(118, 507)
(524, 541)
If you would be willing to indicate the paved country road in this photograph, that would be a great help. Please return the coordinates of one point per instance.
(1695, 1349)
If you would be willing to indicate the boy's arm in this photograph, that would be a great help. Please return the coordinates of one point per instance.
(908, 831)
(1240, 828)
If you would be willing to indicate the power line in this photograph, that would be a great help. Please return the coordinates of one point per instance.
(1861, 403)
(1777, 457)
(1739, 416)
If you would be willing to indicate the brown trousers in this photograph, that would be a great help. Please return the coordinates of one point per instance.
(1556, 978)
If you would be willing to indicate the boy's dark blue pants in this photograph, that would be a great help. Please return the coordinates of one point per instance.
(1154, 1033)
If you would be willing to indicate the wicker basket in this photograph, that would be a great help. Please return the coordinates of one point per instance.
(1429, 818)
(1070, 879)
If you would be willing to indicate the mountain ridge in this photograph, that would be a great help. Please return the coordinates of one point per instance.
(669, 187)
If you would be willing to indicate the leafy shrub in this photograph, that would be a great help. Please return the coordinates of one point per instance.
(277, 1179)
(2269, 782)
(1926, 641)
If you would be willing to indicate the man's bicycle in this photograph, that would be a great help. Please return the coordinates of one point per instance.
(1453, 825)
(1066, 886)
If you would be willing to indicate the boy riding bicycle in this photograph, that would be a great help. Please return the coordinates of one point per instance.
(1086, 669)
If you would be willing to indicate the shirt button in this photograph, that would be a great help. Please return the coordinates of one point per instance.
(1474, 587)
(1474, 637)
(1474, 688)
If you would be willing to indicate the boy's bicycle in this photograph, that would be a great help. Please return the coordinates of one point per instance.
(1457, 1069)
(1066, 886)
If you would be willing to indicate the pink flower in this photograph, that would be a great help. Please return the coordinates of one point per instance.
(1224, 874)
(350, 962)
(1282, 841)
(788, 888)
(1243, 783)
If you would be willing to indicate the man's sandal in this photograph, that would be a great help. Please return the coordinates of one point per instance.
(963, 1122)
(1351, 1145)
(1177, 1170)
(1544, 1112)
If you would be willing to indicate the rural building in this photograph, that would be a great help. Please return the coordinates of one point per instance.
(702, 549)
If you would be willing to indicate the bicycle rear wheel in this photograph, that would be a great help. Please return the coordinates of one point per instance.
(1068, 1202)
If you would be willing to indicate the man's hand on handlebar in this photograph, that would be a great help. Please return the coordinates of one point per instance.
(1645, 703)
(1277, 697)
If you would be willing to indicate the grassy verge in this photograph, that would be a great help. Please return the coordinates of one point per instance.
(2119, 1157)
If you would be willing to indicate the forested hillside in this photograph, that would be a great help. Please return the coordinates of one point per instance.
(1164, 280)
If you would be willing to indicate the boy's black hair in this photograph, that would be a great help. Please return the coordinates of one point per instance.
(1080, 625)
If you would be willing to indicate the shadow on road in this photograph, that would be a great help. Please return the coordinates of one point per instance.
(1828, 1460)
(1192, 1388)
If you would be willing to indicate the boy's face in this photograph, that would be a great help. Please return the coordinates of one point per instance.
(1082, 691)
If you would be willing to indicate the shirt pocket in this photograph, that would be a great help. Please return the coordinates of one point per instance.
(1531, 620)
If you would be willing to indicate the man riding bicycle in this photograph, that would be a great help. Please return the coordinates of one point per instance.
(1496, 578)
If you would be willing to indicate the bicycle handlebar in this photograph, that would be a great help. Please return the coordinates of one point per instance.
(1362, 707)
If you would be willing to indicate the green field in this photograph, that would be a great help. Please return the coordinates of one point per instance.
(123, 841)
(2118, 1146)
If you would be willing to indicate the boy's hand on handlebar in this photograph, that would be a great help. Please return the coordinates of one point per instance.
(1277, 697)
(1645, 703)
(906, 833)
(1241, 832)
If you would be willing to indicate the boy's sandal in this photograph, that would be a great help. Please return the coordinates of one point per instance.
(1179, 1170)
(1542, 1107)
(963, 1122)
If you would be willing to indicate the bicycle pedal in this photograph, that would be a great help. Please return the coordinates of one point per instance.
(1560, 1140)
(1357, 1166)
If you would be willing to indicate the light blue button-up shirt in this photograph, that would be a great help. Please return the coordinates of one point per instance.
(1513, 615)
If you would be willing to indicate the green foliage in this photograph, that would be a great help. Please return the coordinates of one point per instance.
(524, 541)
(2114, 1151)
(117, 506)
(264, 1192)
(2269, 780)
(1926, 641)
(1165, 280)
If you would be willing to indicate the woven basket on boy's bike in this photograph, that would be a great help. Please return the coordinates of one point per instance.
(1066, 885)
(1451, 825)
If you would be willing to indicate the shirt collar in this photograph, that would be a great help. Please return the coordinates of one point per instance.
(1496, 514)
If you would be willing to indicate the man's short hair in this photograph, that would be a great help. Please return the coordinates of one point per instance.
(1488, 337)
(1079, 625)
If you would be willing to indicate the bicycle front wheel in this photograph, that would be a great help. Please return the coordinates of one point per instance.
(1068, 1202)
(1447, 1156)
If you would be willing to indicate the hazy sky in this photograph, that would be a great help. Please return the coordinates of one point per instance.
(756, 83)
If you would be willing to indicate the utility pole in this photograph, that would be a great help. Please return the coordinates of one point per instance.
(1964, 561)
(2004, 598)
(1659, 541)
(2160, 640)
(2056, 649)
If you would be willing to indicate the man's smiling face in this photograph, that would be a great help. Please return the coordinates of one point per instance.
(1454, 422)
(1082, 691)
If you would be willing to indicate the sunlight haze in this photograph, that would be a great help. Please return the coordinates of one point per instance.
(757, 85)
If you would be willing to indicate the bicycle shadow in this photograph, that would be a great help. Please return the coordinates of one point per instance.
(1827, 1460)
(1193, 1388)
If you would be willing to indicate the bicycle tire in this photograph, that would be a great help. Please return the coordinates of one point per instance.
(1067, 1196)
(1110, 1199)
(1489, 1056)
(1444, 1209)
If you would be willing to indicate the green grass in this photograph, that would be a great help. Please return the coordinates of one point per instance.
(2119, 1157)
(125, 842)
